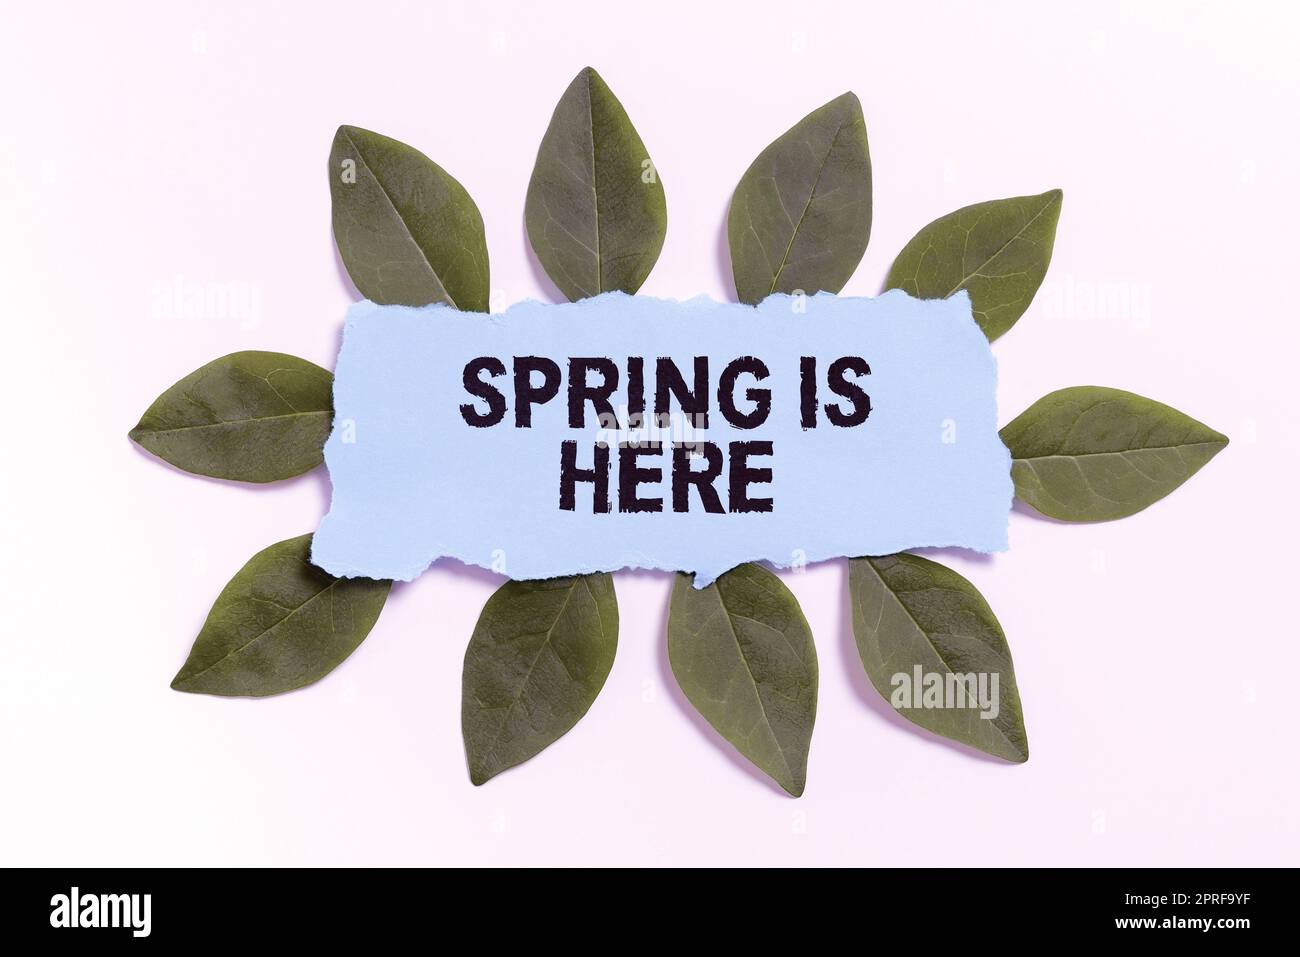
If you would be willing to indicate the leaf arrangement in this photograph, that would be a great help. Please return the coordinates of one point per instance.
(740, 649)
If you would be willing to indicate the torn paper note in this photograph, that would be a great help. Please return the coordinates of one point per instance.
(624, 431)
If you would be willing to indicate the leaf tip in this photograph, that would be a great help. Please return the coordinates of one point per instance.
(847, 105)
(350, 137)
(589, 77)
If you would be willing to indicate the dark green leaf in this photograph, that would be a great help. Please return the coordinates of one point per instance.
(742, 652)
(909, 612)
(281, 623)
(250, 416)
(801, 215)
(997, 251)
(539, 655)
(408, 232)
(1090, 454)
(595, 210)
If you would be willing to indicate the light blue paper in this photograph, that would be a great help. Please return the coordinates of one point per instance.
(414, 483)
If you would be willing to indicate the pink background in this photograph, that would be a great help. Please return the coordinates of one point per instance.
(1157, 656)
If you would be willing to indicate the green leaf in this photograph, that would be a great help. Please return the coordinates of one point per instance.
(801, 215)
(909, 612)
(742, 652)
(595, 210)
(408, 232)
(997, 251)
(249, 416)
(280, 624)
(539, 655)
(1090, 454)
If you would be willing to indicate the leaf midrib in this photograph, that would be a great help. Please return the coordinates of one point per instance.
(926, 635)
(262, 634)
(393, 206)
(767, 722)
(1001, 249)
(595, 192)
(1141, 448)
(812, 194)
(217, 425)
(516, 698)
